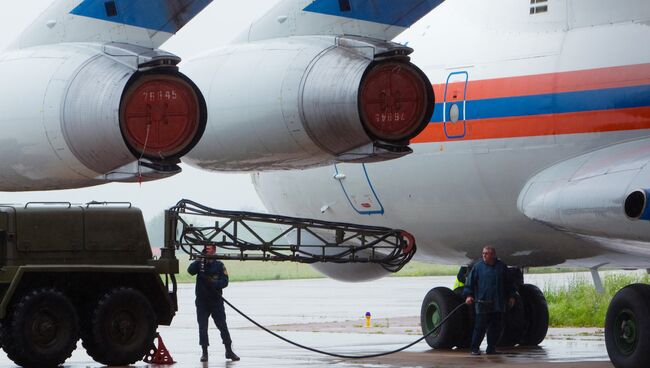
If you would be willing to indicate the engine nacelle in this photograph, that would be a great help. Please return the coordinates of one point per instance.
(308, 101)
(84, 114)
(637, 205)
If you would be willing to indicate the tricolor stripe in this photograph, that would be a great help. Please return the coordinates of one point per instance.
(600, 100)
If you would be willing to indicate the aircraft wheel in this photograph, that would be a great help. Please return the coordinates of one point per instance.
(536, 314)
(514, 324)
(122, 329)
(42, 329)
(437, 304)
(627, 327)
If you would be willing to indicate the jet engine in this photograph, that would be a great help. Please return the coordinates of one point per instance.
(84, 114)
(307, 101)
(636, 205)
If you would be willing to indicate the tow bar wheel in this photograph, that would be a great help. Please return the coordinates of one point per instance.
(437, 304)
(627, 327)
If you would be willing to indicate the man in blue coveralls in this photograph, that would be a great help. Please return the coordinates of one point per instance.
(211, 279)
(488, 287)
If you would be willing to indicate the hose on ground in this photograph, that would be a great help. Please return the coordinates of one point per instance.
(343, 356)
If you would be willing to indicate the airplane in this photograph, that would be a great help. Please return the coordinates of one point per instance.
(536, 143)
(539, 142)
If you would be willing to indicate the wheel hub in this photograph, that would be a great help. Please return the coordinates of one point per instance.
(123, 327)
(44, 328)
(626, 332)
(433, 317)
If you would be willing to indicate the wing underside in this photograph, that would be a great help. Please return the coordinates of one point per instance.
(146, 23)
(380, 19)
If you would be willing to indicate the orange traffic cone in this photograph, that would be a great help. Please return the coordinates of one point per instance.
(159, 355)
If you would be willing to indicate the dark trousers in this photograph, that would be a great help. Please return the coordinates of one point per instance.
(490, 322)
(214, 308)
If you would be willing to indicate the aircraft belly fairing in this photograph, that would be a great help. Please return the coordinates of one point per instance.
(454, 200)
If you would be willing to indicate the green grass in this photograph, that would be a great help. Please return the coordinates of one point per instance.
(415, 268)
(579, 305)
(257, 271)
(260, 271)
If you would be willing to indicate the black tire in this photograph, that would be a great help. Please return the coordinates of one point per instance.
(536, 315)
(468, 316)
(437, 304)
(627, 327)
(514, 324)
(122, 328)
(42, 329)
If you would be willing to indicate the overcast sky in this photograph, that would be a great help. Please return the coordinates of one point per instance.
(215, 26)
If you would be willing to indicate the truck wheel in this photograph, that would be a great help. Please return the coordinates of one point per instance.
(437, 304)
(42, 329)
(627, 327)
(122, 329)
(536, 310)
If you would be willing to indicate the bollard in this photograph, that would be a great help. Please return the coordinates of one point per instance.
(368, 318)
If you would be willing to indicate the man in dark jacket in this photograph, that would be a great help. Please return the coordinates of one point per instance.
(488, 287)
(211, 279)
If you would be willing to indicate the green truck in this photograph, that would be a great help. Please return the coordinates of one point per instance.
(71, 272)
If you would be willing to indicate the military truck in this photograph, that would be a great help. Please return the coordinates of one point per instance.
(71, 272)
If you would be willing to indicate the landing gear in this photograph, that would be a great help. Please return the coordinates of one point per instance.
(627, 327)
(535, 314)
(525, 324)
(122, 329)
(437, 304)
(42, 329)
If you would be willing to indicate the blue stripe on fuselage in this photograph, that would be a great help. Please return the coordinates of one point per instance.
(555, 103)
(159, 15)
(403, 13)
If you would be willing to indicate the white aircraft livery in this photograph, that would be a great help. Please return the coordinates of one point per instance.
(539, 141)
(93, 99)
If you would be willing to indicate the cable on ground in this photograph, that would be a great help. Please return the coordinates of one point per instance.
(343, 356)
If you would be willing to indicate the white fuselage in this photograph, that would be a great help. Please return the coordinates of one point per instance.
(530, 90)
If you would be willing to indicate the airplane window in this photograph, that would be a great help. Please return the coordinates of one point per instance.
(344, 5)
(111, 8)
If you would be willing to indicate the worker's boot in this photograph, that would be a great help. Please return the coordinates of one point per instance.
(204, 356)
(231, 354)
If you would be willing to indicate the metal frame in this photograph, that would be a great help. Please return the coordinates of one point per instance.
(334, 242)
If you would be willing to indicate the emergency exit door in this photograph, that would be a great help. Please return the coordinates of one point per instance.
(358, 189)
(455, 105)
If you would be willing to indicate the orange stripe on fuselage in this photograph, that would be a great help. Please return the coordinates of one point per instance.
(540, 125)
(581, 80)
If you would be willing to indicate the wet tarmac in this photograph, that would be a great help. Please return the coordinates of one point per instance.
(329, 315)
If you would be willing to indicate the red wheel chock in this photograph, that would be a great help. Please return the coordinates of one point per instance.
(159, 355)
